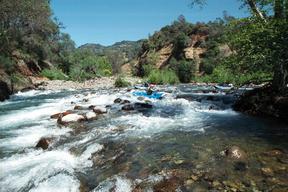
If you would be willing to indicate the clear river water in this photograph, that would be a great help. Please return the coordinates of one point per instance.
(177, 145)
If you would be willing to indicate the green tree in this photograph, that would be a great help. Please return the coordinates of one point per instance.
(262, 39)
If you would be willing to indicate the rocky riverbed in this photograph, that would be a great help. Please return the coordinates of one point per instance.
(110, 140)
(96, 83)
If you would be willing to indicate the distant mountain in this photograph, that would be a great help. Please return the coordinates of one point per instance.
(129, 49)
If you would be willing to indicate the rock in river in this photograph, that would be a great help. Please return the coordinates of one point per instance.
(57, 115)
(70, 118)
(118, 100)
(128, 107)
(44, 143)
(90, 116)
(100, 110)
(235, 153)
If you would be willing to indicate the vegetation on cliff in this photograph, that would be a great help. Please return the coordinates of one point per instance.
(190, 50)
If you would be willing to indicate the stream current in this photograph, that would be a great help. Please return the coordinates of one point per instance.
(182, 136)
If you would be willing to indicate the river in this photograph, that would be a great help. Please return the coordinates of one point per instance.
(177, 145)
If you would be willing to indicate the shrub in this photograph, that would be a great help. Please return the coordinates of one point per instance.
(87, 65)
(121, 82)
(163, 77)
(223, 74)
(7, 63)
(54, 74)
(185, 71)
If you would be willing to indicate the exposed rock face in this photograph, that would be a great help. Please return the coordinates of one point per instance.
(264, 102)
(194, 52)
(5, 85)
(191, 52)
(164, 55)
(4, 91)
(20, 79)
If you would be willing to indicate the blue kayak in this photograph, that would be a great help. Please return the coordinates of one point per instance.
(154, 95)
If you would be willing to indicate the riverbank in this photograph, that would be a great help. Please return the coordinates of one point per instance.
(264, 102)
(96, 83)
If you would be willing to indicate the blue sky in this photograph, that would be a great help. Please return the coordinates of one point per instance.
(110, 21)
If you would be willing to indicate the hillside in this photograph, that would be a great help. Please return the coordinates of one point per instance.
(200, 46)
(127, 50)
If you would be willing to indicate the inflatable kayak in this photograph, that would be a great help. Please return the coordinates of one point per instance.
(154, 95)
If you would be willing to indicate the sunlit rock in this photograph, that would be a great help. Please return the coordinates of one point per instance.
(90, 115)
(57, 115)
(70, 118)
(100, 110)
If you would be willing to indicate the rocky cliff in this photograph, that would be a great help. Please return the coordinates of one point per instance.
(19, 79)
(193, 51)
(200, 43)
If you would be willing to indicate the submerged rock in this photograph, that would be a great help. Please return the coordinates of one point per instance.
(274, 153)
(167, 185)
(44, 143)
(240, 166)
(143, 105)
(128, 107)
(78, 107)
(235, 153)
(267, 171)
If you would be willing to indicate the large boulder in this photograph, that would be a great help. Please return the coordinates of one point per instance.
(4, 91)
(100, 109)
(264, 101)
(70, 119)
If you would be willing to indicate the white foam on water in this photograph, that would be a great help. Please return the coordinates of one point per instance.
(140, 125)
(26, 170)
(143, 126)
(33, 114)
(123, 185)
(102, 100)
(58, 183)
(29, 136)
(118, 183)
(84, 160)
(38, 168)
(33, 93)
